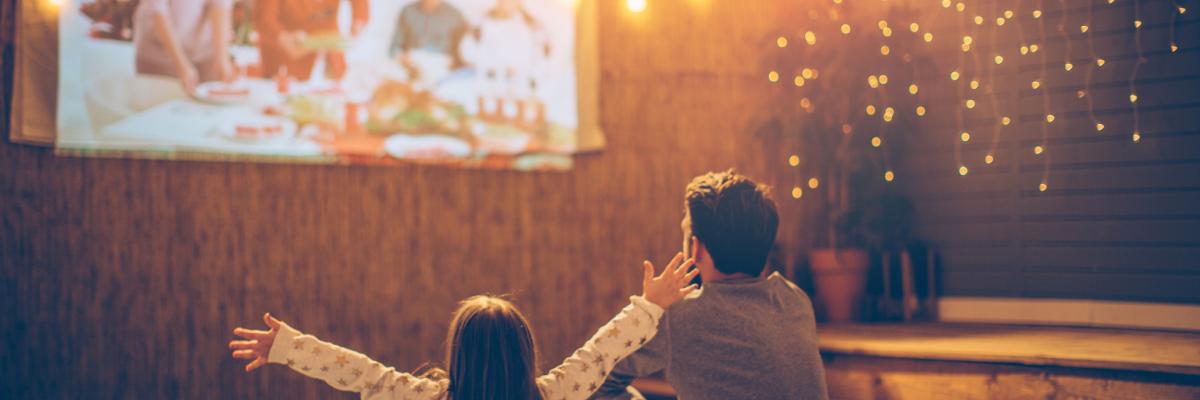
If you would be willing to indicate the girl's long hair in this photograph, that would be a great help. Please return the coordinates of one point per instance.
(490, 352)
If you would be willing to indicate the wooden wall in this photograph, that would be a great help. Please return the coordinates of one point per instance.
(123, 278)
(1118, 220)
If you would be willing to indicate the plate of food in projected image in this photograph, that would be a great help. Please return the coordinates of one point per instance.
(262, 129)
(217, 92)
(426, 147)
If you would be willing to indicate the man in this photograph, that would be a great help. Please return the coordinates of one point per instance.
(741, 336)
(283, 26)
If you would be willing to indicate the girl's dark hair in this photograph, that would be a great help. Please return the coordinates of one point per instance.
(490, 352)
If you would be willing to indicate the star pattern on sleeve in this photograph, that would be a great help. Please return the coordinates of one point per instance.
(316, 351)
(356, 372)
(298, 345)
(291, 362)
(341, 361)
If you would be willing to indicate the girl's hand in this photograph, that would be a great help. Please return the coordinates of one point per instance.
(672, 284)
(258, 345)
(188, 77)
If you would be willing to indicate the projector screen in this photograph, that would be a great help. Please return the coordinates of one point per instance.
(477, 83)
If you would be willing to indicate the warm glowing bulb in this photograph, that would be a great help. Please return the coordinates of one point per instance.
(1099, 62)
(920, 111)
(913, 27)
(810, 38)
(882, 24)
(978, 20)
(928, 37)
(1099, 127)
(1174, 47)
(960, 7)
(1080, 94)
(1024, 50)
(1182, 10)
(813, 183)
(781, 42)
(1137, 136)
(954, 75)
(888, 113)
(772, 76)
(845, 29)
(974, 84)
(1133, 97)
(965, 136)
(887, 32)
(885, 50)
(806, 104)
(1035, 84)
(912, 89)
(1049, 118)
(1083, 29)
(798, 80)
(945, 3)
(970, 103)
(1033, 48)
(967, 40)
(1000, 21)
(966, 47)
(1137, 23)
(876, 141)
(1042, 187)
(1008, 14)
(883, 79)
(794, 160)
(1005, 121)
(889, 176)
(988, 159)
(962, 170)
(1068, 66)
(807, 73)
(872, 81)
(999, 59)
(1037, 14)
(636, 6)
(1038, 149)
(870, 110)
(797, 192)
(847, 128)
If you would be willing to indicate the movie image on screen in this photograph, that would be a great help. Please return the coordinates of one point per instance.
(480, 83)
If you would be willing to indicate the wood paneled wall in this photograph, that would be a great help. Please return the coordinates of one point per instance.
(123, 278)
(1119, 220)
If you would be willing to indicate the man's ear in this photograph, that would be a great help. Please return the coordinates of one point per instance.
(698, 250)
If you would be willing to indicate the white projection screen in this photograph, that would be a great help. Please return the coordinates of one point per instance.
(505, 84)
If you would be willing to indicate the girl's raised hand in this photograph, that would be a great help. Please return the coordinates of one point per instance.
(257, 345)
(672, 284)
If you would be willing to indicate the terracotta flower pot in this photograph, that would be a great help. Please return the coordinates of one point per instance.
(840, 279)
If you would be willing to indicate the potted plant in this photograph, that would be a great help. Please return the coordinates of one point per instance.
(835, 107)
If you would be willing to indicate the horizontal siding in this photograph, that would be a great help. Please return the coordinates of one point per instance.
(1121, 220)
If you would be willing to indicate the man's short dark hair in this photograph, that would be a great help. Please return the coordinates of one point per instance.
(734, 218)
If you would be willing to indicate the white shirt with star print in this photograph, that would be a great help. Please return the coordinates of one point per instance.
(576, 378)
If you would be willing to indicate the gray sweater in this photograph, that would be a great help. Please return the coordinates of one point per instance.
(740, 339)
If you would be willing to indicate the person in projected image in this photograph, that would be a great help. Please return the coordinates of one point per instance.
(187, 40)
(432, 26)
(742, 335)
(490, 352)
(293, 33)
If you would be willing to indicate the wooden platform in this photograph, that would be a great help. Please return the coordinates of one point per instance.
(985, 361)
(1116, 349)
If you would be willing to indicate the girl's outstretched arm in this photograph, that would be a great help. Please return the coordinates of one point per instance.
(585, 370)
(341, 368)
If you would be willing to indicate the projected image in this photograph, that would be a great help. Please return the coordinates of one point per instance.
(487, 83)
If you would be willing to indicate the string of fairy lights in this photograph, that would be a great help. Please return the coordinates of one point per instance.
(979, 82)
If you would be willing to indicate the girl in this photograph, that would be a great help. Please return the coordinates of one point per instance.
(188, 40)
(490, 351)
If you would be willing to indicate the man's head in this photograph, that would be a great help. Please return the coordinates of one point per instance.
(729, 225)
